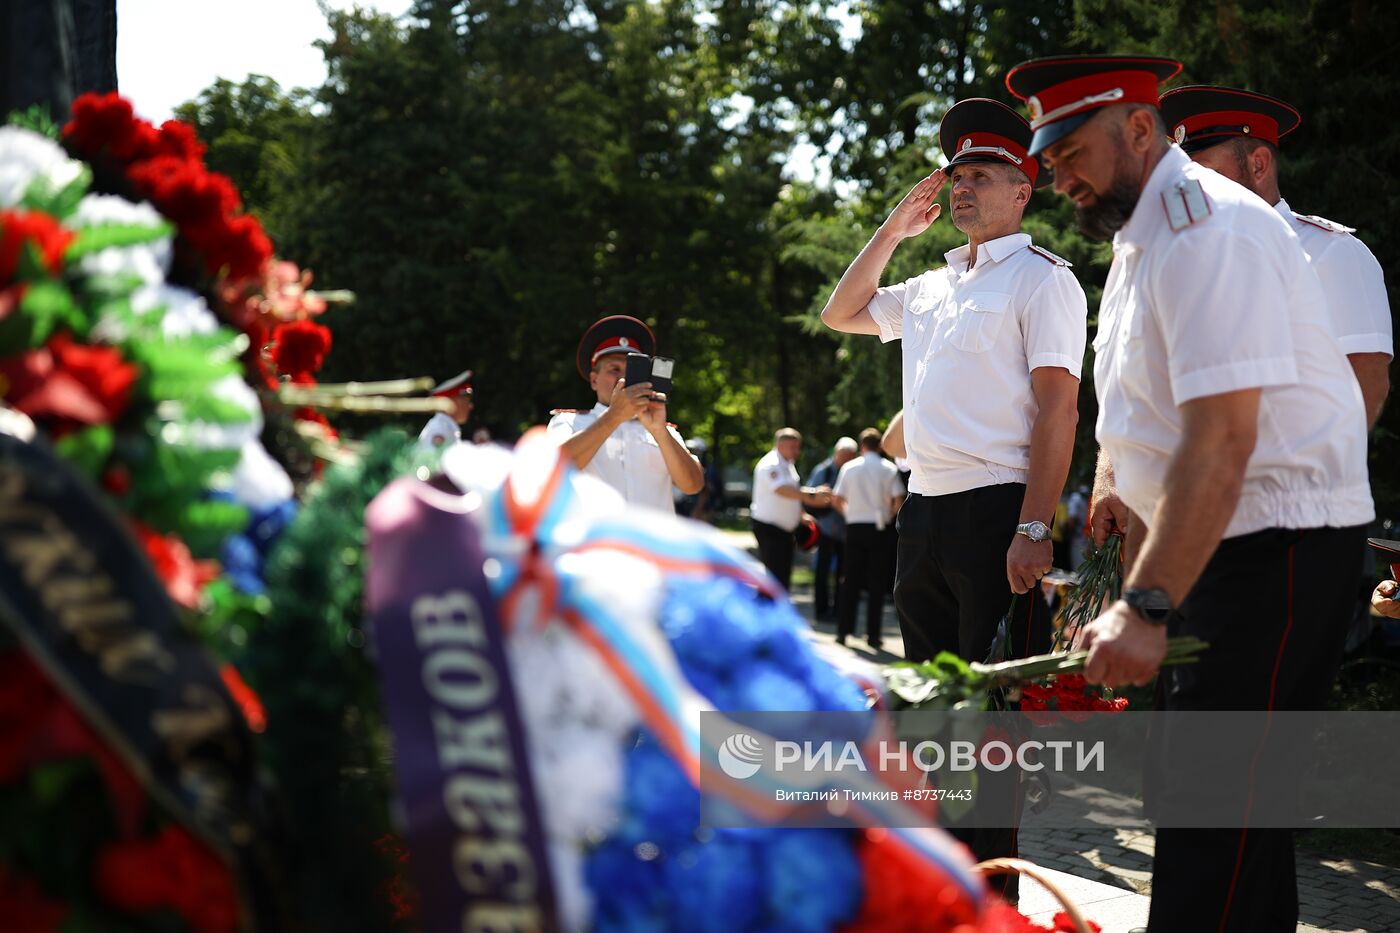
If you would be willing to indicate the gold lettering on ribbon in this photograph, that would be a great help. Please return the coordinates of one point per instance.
(490, 859)
(501, 918)
(495, 867)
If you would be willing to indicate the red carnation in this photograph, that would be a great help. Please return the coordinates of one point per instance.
(37, 725)
(179, 139)
(67, 385)
(300, 347)
(20, 227)
(246, 248)
(905, 895)
(182, 575)
(184, 192)
(173, 870)
(25, 906)
(106, 124)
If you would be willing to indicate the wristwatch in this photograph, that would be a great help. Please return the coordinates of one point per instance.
(1036, 531)
(1154, 605)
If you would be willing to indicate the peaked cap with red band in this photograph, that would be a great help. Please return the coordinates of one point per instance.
(460, 384)
(982, 130)
(617, 333)
(1062, 93)
(1201, 116)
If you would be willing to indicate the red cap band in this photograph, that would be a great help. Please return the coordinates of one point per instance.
(1060, 101)
(615, 344)
(998, 147)
(1231, 123)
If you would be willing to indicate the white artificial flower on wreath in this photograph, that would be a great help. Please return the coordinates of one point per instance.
(186, 313)
(150, 262)
(26, 156)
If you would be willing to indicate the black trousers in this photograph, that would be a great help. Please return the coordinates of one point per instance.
(1274, 606)
(951, 593)
(826, 583)
(869, 567)
(950, 585)
(775, 548)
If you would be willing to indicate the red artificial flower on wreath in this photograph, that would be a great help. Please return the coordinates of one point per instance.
(66, 385)
(182, 575)
(396, 889)
(248, 701)
(195, 199)
(246, 248)
(300, 347)
(104, 125)
(25, 906)
(905, 895)
(37, 725)
(171, 871)
(47, 235)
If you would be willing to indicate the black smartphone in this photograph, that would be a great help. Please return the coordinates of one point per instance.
(656, 370)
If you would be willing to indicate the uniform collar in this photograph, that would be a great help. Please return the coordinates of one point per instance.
(598, 408)
(995, 250)
(1283, 209)
(1140, 225)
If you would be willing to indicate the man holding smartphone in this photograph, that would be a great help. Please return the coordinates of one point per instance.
(624, 439)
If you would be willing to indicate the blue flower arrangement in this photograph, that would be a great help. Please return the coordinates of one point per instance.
(658, 871)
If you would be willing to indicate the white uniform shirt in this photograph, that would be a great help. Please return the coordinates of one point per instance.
(868, 483)
(970, 341)
(629, 461)
(440, 431)
(767, 506)
(1352, 281)
(1223, 304)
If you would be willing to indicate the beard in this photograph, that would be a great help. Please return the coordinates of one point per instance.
(1111, 210)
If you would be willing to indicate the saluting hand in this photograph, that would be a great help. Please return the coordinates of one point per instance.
(919, 209)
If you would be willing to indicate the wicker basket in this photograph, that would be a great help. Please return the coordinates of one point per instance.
(1006, 866)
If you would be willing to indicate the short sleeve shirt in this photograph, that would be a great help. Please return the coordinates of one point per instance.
(868, 484)
(970, 339)
(1352, 281)
(440, 431)
(767, 506)
(629, 461)
(1217, 300)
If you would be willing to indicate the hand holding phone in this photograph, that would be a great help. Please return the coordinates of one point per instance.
(656, 370)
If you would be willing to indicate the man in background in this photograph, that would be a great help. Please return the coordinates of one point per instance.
(868, 494)
(832, 528)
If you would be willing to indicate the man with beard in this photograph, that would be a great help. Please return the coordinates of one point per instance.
(1236, 432)
(1237, 134)
(992, 345)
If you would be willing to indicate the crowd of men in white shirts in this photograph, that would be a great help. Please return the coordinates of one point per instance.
(1240, 358)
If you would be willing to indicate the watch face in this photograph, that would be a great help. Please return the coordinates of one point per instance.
(1038, 531)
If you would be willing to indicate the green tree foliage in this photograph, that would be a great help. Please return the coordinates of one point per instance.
(490, 176)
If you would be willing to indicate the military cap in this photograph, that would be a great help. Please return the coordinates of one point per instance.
(1063, 92)
(617, 333)
(1201, 116)
(982, 130)
(460, 384)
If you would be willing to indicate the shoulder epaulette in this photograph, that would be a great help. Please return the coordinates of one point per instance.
(1331, 226)
(564, 411)
(1046, 254)
(1185, 204)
